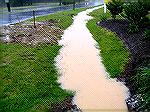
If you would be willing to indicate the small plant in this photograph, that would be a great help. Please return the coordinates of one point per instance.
(115, 7)
(136, 14)
(142, 82)
(133, 28)
(147, 34)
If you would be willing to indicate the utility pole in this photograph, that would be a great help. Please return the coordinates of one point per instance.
(8, 5)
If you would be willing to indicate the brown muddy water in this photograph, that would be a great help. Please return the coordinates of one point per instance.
(82, 70)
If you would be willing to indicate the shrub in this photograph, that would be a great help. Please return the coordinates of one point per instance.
(147, 34)
(115, 7)
(142, 82)
(145, 3)
(136, 14)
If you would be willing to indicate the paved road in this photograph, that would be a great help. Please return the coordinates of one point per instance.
(9, 18)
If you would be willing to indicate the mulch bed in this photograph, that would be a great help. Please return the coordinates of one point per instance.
(139, 48)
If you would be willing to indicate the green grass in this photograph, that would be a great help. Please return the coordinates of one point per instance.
(29, 78)
(112, 50)
(64, 18)
(28, 75)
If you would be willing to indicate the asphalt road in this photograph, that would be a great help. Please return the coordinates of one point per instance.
(9, 18)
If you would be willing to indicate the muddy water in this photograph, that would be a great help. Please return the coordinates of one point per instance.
(82, 70)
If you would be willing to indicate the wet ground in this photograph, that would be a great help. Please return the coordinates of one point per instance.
(83, 72)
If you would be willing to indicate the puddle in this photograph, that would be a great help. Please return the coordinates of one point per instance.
(82, 70)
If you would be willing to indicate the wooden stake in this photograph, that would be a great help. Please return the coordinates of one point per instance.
(34, 18)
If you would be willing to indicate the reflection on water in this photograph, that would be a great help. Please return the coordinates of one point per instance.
(83, 71)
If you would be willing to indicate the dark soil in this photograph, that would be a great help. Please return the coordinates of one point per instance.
(139, 48)
(65, 106)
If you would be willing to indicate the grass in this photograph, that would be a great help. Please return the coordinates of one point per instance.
(28, 75)
(65, 18)
(29, 78)
(112, 50)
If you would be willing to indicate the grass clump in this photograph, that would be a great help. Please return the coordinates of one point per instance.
(113, 52)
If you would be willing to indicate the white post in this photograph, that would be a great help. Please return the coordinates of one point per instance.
(105, 8)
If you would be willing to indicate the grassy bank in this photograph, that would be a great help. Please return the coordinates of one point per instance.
(112, 50)
(28, 74)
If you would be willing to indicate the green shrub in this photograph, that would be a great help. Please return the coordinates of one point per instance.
(136, 15)
(142, 82)
(147, 34)
(145, 3)
(115, 7)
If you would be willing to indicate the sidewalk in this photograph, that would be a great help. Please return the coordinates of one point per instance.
(83, 72)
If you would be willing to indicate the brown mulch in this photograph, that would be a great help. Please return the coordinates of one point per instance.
(139, 48)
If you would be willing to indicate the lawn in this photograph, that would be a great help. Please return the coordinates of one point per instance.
(28, 74)
(64, 18)
(112, 49)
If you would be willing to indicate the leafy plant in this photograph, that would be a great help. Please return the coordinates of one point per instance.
(145, 3)
(142, 82)
(147, 34)
(115, 7)
(136, 14)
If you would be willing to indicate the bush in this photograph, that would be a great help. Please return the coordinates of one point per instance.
(142, 82)
(115, 7)
(145, 3)
(147, 34)
(136, 14)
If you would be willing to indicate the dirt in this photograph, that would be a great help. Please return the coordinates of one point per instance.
(25, 32)
(139, 48)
